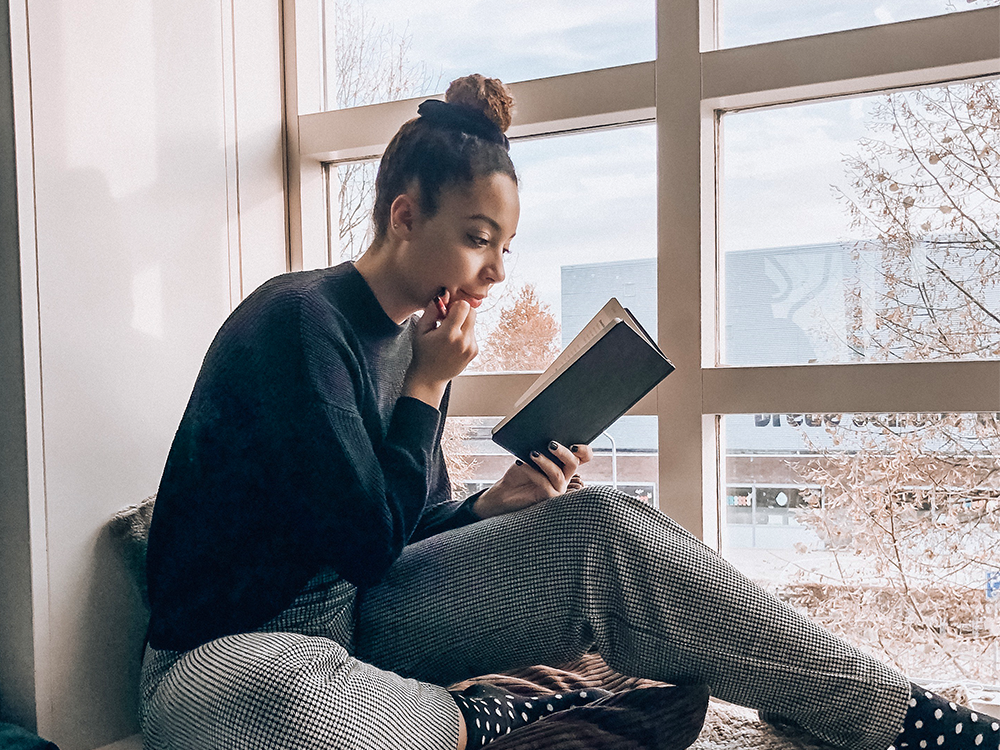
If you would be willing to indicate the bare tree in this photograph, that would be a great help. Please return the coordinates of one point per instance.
(925, 186)
(371, 64)
(910, 505)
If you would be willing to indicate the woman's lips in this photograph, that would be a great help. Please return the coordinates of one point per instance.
(473, 301)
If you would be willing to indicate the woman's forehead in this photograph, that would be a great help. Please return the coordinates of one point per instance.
(492, 199)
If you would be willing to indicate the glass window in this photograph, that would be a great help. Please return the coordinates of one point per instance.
(862, 230)
(587, 232)
(378, 52)
(881, 527)
(624, 456)
(745, 22)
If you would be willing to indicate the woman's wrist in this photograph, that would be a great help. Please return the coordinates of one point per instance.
(429, 392)
(483, 507)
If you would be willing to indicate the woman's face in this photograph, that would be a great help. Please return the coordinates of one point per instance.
(461, 248)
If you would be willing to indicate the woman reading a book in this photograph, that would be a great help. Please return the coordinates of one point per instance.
(312, 583)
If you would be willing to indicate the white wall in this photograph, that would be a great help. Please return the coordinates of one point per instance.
(150, 198)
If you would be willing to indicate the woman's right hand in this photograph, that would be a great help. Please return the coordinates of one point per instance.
(442, 349)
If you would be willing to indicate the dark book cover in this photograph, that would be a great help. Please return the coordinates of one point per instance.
(595, 390)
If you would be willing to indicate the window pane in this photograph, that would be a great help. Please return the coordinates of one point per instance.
(882, 527)
(745, 22)
(862, 230)
(377, 52)
(587, 232)
(475, 462)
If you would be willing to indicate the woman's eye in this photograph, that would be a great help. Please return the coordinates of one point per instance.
(480, 241)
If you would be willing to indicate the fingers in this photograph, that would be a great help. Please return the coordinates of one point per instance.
(460, 316)
(583, 453)
(429, 319)
(552, 471)
(561, 464)
(566, 457)
(460, 327)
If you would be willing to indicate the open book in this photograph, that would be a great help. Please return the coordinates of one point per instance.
(605, 370)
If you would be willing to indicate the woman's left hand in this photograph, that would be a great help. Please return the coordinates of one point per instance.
(522, 485)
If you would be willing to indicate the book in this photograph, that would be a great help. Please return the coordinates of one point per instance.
(600, 375)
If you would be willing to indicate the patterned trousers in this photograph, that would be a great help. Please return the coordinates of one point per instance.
(348, 670)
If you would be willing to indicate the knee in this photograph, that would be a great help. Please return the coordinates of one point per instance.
(287, 675)
(260, 685)
(602, 511)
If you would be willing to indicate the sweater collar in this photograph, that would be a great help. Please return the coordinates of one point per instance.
(363, 308)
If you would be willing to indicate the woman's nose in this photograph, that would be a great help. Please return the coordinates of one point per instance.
(494, 271)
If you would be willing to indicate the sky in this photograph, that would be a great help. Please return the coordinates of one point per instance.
(591, 197)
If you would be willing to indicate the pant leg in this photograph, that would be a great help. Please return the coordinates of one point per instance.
(596, 567)
(277, 688)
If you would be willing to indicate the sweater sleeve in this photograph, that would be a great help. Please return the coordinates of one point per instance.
(379, 488)
(446, 516)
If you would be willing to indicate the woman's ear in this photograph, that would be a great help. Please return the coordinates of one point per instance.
(402, 215)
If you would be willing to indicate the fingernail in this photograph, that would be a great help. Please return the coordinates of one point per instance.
(519, 462)
(535, 454)
(574, 448)
(553, 445)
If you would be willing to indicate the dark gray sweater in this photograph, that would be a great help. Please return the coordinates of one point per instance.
(295, 453)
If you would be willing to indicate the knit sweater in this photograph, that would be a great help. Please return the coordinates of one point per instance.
(296, 453)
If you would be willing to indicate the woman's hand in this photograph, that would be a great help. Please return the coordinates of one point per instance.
(440, 352)
(523, 485)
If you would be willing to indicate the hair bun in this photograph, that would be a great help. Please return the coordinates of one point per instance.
(487, 95)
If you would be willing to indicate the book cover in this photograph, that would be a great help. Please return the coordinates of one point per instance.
(613, 366)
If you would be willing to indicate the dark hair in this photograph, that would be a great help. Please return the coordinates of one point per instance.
(448, 144)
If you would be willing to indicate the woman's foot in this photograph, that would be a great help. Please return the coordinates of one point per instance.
(490, 712)
(933, 722)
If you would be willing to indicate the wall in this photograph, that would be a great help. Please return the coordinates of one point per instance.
(16, 651)
(150, 175)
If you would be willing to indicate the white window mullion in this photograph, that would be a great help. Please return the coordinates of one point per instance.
(927, 387)
(599, 98)
(679, 116)
(909, 53)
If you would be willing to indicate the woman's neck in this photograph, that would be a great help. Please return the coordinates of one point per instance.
(377, 268)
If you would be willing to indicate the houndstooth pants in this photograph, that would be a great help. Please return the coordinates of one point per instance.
(343, 670)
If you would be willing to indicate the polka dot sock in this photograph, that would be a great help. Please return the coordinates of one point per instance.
(491, 712)
(933, 722)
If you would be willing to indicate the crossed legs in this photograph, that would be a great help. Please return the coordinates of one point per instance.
(590, 569)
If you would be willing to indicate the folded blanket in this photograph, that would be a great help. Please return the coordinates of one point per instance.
(648, 715)
(652, 718)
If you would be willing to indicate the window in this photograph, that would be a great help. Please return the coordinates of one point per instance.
(376, 52)
(752, 21)
(756, 261)
(862, 229)
(880, 526)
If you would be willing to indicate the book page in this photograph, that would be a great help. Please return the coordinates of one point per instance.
(608, 315)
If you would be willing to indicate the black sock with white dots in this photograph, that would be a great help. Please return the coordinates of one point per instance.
(490, 712)
(933, 722)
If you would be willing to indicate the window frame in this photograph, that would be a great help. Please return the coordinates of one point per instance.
(685, 90)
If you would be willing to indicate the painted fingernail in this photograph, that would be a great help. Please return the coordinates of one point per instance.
(553, 445)
(535, 454)
(574, 448)
(519, 462)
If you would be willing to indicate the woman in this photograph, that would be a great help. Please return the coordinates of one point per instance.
(311, 582)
